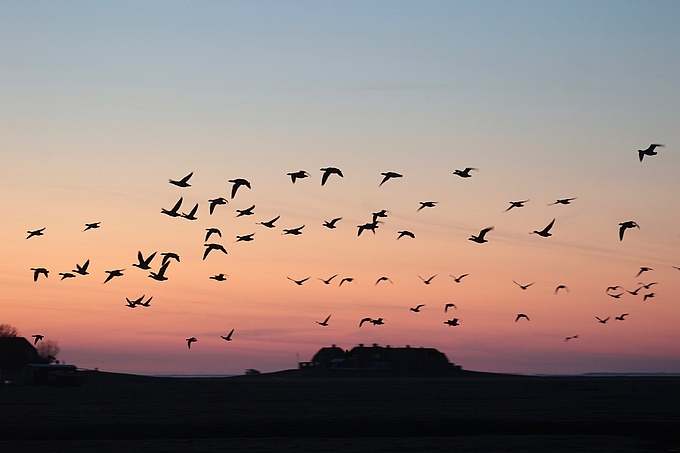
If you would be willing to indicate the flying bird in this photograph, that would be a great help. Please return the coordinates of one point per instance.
(644, 269)
(449, 305)
(367, 226)
(365, 320)
(516, 204)
(113, 273)
(648, 285)
(377, 322)
(625, 225)
(379, 215)
(184, 182)
(245, 237)
(39, 270)
(649, 151)
(298, 282)
(160, 275)
(427, 204)
(458, 279)
(248, 211)
(167, 256)
(389, 175)
(417, 308)
(238, 182)
(479, 239)
(135, 302)
(210, 231)
(191, 340)
(192, 213)
(563, 201)
(383, 279)
(92, 226)
(210, 247)
(602, 321)
(521, 315)
(465, 173)
(331, 225)
(270, 223)
(524, 287)
(298, 175)
(615, 296)
(35, 233)
(622, 317)
(216, 202)
(612, 288)
(325, 321)
(559, 287)
(147, 303)
(329, 171)
(429, 280)
(346, 279)
(65, 275)
(406, 233)
(219, 277)
(82, 270)
(328, 280)
(648, 296)
(545, 232)
(634, 293)
(144, 263)
(294, 231)
(174, 212)
(37, 337)
(130, 304)
(452, 322)
(571, 337)
(228, 337)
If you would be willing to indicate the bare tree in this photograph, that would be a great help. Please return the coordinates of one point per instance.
(8, 331)
(48, 350)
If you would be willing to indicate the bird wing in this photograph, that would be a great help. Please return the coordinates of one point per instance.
(234, 188)
(324, 177)
(550, 225)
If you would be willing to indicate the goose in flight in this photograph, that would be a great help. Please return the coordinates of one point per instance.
(210, 231)
(160, 275)
(37, 337)
(379, 215)
(294, 176)
(625, 225)
(545, 232)
(294, 231)
(571, 337)
(563, 201)
(449, 305)
(516, 204)
(648, 285)
(147, 303)
(248, 211)
(427, 204)
(331, 225)
(228, 337)
(130, 304)
(329, 171)
(328, 280)
(216, 202)
(648, 296)
(82, 270)
(113, 273)
(245, 237)
(135, 302)
(387, 176)
(191, 215)
(612, 288)
(39, 270)
(643, 269)
(622, 317)
(174, 212)
(298, 282)
(429, 280)
(634, 293)
(346, 279)
(144, 263)
(458, 279)
(92, 226)
(325, 321)
(383, 279)
(377, 322)
(417, 308)
(35, 233)
(480, 238)
(615, 296)
(65, 275)
(649, 151)
(269, 223)
(523, 287)
(365, 320)
(602, 321)
(521, 315)
(219, 277)
(238, 182)
(367, 226)
(191, 340)
(559, 287)
(167, 256)
(465, 173)
(452, 322)
(210, 247)
(406, 233)
(184, 182)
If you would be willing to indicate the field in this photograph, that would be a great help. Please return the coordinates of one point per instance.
(112, 412)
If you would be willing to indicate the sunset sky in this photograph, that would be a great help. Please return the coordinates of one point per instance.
(103, 103)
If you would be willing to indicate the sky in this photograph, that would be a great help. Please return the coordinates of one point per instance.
(104, 103)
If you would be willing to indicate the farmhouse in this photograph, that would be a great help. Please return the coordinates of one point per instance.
(20, 363)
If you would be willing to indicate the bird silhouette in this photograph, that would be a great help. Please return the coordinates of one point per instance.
(298, 282)
(210, 231)
(458, 279)
(649, 151)
(130, 304)
(383, 279)
(417, 308)
(367, 226)
(346, 279)
(65, 275)
(216, 202)
(144, 263)
(452, 322)
(210, 247)
(449, 305)
(160, 275)
(228, 337)
(92, 226)
(245, 237)
(113, 273)
(516, 204)
(82, 270)
(39, 270)
(167, 256)
(563, 201)
(331, 225)
(571, 337)
(294, 176)
(238, 182)
(559, 287)
(270, 223)
(192, 213)
(184, 182)
(625, 225)
(135, 302)
(648, 296)
(32, 233)
(406, 233)
(612, 288)
(325, 321)
(191, 340)
(377, 322)
(480, 238)
(37, 337)
(545, 232)
(328, 280)
(521, 315)
(379, 215)
(648, 285)
(622, 317)
(248, 211)
(427, 204)
(219, 277)
(643, 269)
(365, 320)
(465, 173)
(615, 296)
(429, 280)
(147, 303)
(329, 171)
(387, 176)
(174, 212)
(294, 231)
(602, 321)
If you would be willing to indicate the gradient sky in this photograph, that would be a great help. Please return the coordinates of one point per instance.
(103, 103)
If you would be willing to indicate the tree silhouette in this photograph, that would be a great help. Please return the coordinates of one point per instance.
(8, 331)
(48, 350)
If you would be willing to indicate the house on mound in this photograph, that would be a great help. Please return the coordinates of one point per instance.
(20, 363)
(379, 358)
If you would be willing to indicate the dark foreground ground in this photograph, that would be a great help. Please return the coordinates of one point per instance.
(277, 414)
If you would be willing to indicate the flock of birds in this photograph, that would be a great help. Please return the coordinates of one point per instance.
(144, 262)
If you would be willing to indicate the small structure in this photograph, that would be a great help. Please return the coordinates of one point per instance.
(20, 363)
